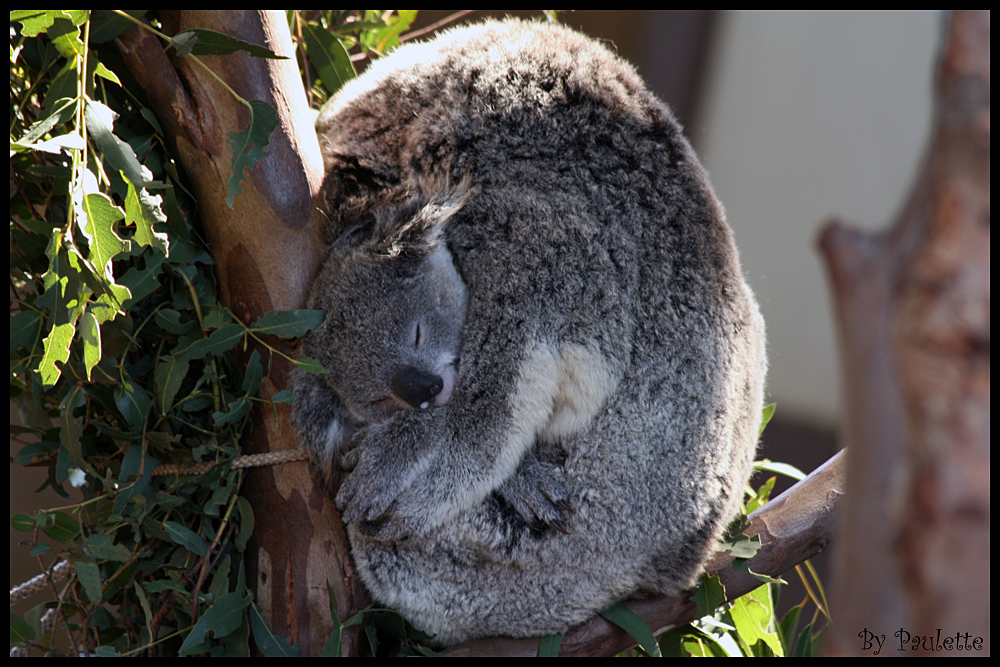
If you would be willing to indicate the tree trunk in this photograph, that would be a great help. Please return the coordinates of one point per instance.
(267, 250)
(913, 309)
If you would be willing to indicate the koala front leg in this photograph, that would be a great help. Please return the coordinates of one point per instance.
(419, 469)
(321, 421)
(384, 459)
(536, 495)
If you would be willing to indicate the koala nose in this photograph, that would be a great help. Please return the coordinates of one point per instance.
(418, 388)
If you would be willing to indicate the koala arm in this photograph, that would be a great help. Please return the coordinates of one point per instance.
(419, 469)
(322, 423)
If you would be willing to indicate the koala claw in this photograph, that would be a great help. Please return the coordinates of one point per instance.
(366, 493)
(536, 495)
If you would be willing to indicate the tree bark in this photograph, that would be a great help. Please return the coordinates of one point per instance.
(267, 250)
(913, 310)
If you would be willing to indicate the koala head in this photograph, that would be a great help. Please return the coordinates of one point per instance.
(395, 306)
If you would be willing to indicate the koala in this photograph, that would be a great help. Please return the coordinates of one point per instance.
(597, 437)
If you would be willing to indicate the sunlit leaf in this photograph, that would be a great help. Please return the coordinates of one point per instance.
(202, 42)
(98, 225)
(328, 54)
(144, 211)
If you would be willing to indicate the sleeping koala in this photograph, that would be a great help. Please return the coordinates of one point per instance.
(597, 438)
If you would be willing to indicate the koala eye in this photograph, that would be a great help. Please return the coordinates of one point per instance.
(417, 339)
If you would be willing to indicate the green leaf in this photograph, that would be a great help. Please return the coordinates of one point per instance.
(71, 428)
(752, 615)
(702, 645)
(90, 331)
(62, 111)
(202, 42)
(147, 610)
(22, 522)
(168, 377)
(246, 523)
(25, 327)
(20, 631)
(709, 595)
(222, 618)
(254, 372)
(286, 396)
(237, 410)
(186, 537)
(786, 628)
(118, 154)
(90, 577)
(249, 144)
(170, 321)
(58, 525)
(270, 644)
(288, 323)
(763, 494)
(142, 283)
(65, 35)
(310, 365)
(328, 54)
(101, 547)
(99, 215)
(766, 414)
(221, 341)
(387, 38)
(626, 619)
(780, 468)
(548, 646)
(741, 546)
(807, 645)
(56, 346)
(35, 21)
(133, 403)
(144, 211)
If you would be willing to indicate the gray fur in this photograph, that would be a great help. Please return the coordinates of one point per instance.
(611, 358)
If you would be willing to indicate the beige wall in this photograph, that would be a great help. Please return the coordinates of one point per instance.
(807, 115)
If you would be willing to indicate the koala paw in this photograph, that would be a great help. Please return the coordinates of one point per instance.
(536, 495)
(379, 472)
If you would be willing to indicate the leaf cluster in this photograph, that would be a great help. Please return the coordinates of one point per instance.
(121, 356)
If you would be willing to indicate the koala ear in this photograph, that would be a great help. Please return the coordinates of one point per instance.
(421, 234)
(349, 184)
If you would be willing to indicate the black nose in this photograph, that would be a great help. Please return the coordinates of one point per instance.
(418, 388)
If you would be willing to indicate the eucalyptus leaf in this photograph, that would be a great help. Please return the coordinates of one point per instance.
(627, 620)
(98, 215)
(186, 537)
(169, 375)
(270, 644)
(248, 145)
(288, 323)
(223, 617)
(221, 341)
(118, 154)
(202, 42)
(328, 54)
